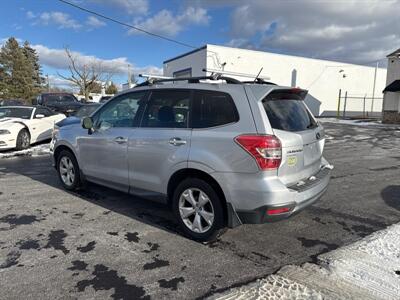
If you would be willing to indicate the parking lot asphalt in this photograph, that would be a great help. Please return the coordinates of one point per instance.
(101, 243)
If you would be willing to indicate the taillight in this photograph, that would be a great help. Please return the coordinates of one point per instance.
(266, 149)
(277, 211)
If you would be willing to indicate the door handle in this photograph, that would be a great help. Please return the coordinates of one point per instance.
(120, 140)
(177, 141)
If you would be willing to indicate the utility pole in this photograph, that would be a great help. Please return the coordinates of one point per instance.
(345, 104)
(364, 105)
(129, 76)
(48, 82)
(338, 105)
(373, 89)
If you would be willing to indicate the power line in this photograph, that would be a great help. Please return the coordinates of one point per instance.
(127, 25)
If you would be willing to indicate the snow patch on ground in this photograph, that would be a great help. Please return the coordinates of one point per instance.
(42, 149)
(356, 122)
(367, 269)
(273, 287)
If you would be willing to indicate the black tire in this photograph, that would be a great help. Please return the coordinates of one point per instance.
(66, 162)
(23, 139)
(199, 185)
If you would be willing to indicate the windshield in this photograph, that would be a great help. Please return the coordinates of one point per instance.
(16, 112)
(86, 111)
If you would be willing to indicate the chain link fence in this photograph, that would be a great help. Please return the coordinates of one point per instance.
(358, 106)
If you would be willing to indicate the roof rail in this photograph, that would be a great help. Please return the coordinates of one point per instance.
(260, 81)
(148, 76)
(214, 77)
(223, 72)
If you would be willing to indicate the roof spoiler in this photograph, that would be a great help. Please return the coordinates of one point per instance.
(287, 93)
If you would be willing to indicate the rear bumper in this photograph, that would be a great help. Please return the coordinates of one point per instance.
(260, 214)
(259, 199)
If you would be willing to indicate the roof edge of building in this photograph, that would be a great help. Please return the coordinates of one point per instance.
(185, 54)
(344, 64)
(394, 53)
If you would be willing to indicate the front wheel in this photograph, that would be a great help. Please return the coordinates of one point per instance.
(23, 139)
(68, 170)
(198, 209)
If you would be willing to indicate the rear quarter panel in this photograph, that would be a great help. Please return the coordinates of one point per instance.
(215, 148)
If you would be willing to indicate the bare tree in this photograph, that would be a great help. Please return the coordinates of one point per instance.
(84, 76)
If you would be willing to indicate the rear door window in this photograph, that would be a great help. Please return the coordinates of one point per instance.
(167, 109)
(212, 109)
(288, 112)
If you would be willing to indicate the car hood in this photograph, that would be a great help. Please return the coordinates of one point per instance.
(8, 122)
(68, 121)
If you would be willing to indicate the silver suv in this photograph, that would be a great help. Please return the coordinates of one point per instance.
(219, 153)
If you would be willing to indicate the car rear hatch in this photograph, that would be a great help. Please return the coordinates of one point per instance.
(302, 138)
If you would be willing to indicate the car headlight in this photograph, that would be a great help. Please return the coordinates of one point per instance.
(4, 131)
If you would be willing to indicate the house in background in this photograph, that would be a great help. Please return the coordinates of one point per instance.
(322, 78)
(391, 101)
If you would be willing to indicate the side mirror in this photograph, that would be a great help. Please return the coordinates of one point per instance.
(39, 116)
(87, 123)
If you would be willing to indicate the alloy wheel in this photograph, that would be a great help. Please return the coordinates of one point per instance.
(67, 171)
(196, 210)
(25, 140)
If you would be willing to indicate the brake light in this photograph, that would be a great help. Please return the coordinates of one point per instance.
(265, 149)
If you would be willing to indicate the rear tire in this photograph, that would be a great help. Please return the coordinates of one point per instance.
(198, 209)
(68, 171)
(23, 139)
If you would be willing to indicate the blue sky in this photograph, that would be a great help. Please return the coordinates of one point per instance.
(350, 31)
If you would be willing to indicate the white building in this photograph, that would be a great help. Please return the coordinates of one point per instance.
(323, 79)
(391, 107)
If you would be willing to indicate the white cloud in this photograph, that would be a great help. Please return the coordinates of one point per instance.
(132, 7)
(353, 31)
(30, 15)
(166, 23)
(62, 20)
(56, 58)
(59, 82)
(94, 22)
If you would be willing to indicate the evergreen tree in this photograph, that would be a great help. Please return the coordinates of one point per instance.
(20, 72)
(35, 68)
(111, 89)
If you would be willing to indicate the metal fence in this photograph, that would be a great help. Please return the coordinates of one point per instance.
(357, 106)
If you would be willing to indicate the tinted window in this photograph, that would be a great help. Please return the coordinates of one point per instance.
(288, 114)
(213, 109)
(54, 99)
(167, 109)
(43, 111)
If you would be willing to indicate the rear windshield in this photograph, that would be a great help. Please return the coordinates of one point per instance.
(288, 114)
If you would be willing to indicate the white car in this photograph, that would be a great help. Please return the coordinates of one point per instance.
(21, 126)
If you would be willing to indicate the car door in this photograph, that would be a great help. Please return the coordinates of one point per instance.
(41, 124)
(103, 150)
(161, 144)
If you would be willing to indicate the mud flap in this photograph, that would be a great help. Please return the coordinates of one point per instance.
(233, 218)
